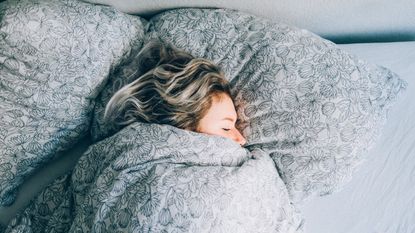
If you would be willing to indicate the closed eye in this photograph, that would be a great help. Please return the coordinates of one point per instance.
(226, 129)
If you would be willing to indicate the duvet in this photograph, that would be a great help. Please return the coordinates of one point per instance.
(158, 178)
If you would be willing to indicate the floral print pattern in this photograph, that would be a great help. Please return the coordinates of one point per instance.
(55, 57)
(51, 211)
(307, 108)
(152, 178)
(315, 108)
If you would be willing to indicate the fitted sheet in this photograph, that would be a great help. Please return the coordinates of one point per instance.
(381, 196)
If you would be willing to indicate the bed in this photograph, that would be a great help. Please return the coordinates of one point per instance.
(372, 194)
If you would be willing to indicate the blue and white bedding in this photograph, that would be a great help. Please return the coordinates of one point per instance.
(379, 198)
(309, 110)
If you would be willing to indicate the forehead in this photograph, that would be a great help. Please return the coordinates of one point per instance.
(222, 106)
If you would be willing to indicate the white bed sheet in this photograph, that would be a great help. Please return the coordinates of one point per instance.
(381, 196)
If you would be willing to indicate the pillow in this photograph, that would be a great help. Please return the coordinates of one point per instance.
(312, 106)
(55, 57)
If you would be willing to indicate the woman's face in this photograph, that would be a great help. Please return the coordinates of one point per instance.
(220, 119)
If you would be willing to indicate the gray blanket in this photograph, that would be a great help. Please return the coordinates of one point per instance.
(158, 178)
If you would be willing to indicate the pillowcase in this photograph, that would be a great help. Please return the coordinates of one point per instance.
(55, 57)
(313, 107)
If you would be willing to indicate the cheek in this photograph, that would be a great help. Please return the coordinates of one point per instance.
(210, 128)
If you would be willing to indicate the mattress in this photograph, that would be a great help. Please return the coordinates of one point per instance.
(381, 196)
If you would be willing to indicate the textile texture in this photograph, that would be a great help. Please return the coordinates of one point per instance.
(308, 109)
(158, 178)
(55, 57)
(316, 108)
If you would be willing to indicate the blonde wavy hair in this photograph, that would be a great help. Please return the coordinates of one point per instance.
(176, 89)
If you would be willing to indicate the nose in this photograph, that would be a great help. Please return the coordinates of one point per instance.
(237, 136)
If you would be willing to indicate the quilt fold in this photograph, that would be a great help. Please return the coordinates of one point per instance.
(158, 178)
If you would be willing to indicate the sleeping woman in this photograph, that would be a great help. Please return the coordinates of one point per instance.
(179, 90)
(148, 178)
